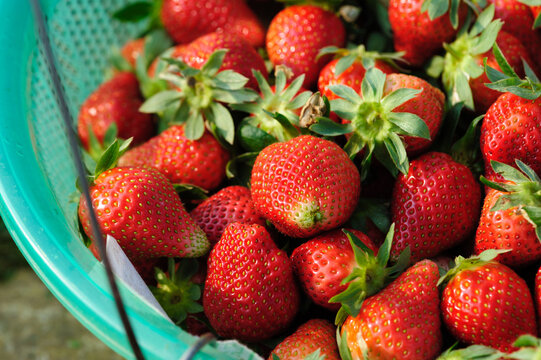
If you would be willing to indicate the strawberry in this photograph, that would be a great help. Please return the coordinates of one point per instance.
(348, 68)
(305, 186)
(435, 206)
(508, 219)
(240, 57)
(323, 262)
(141, 210)
(115, 103)
(186, 20)
(297, 33)
(198, 162)
(250, 293)
(537, 296)
(473, 47)
(132, 50)
(518, 20)
(511, 130)
(418, 34)
(400, 322)
(314, 336)
(486, 303)
(140, 156)
(394, 115)
(230, 204)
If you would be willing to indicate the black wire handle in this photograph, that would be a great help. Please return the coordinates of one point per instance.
(200, 343)
(66, 116)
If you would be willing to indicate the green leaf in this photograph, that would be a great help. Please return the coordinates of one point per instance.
(195, 126)
(230, 80)
(327, 127)
(316, 355)
(191, 192)
(299, 100)
(435, 66)
(399, 97)
(354, 145)
(343, 64)
(252, 138)
(372, 85)
(530, 173)
(397, 152)
(118, 61)
(436, 8)
(493, 74)
(343, 348)
(345, 92)
(537, 22)
(134, 12)
(453, 14)
(291, 130)
(487, 39)
(493, 185)
(343, 108)
(160, 101)
(508, 172)
(502, 61)
(292, 90)
(239, 169)
(482, 21)
(109, 158)
(533, 215)
(384, 251)
(224, 122)
(235, 96)
(410, 124)
(156, 42)
(527, 340)
(448, 128)
(530, 74)
(461, 90)
(214, 62)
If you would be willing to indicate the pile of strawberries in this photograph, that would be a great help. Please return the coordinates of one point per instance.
(329, 179)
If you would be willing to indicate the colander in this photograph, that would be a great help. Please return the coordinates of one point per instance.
(37, 172)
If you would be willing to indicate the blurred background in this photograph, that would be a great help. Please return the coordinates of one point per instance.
(33, 324)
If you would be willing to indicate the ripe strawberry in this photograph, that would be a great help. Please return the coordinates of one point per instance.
(186, 20)
(305, 186)
(537, 296)
(250, 293)
(487, 303)
(297, 33)
(198, 162)
(435, 206)
(314, 335)
(396, 114)
(400, 322)
(416, 34)
(240, 57)
(511, 130)
(132, 49)
(508, 219)
(141, 210)
(323, 262)
(140, 156)
(518, 21)
(115, 102)
(229, 205)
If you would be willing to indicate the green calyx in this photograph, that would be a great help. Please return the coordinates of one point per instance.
(347, 56)
(472, 262)
(369, 276)
(140, 10)
(176, 292)
(460, 63)
(523, 191)
(437, 8)
(307, 215)
(507, 80)
(373, 125)
(198, 98)
(283, 100)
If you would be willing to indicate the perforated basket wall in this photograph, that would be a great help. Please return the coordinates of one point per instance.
(37, 175)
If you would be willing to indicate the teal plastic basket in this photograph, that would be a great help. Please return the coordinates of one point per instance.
(37, 173)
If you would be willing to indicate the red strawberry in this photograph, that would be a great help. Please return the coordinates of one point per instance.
(518, 21)
(511, 130)
(323, 262)
(507, 220)
(394, 114)
(515, 52)
(305, 186)
(140, 156)
(186, 20)
(415, 33)
(314, 335)
(537, 296)
(229, 205)
(141, 210)
(198, 162)
(240, 57)
(297, 33)
(435, 206)
(487, 303)
(132, 49)
(115, 102)
(428, 105)
(250, 293)
(176, 52)
(400, 322)
(352, 76)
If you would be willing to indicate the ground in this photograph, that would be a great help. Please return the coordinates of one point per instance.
(33, 324)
